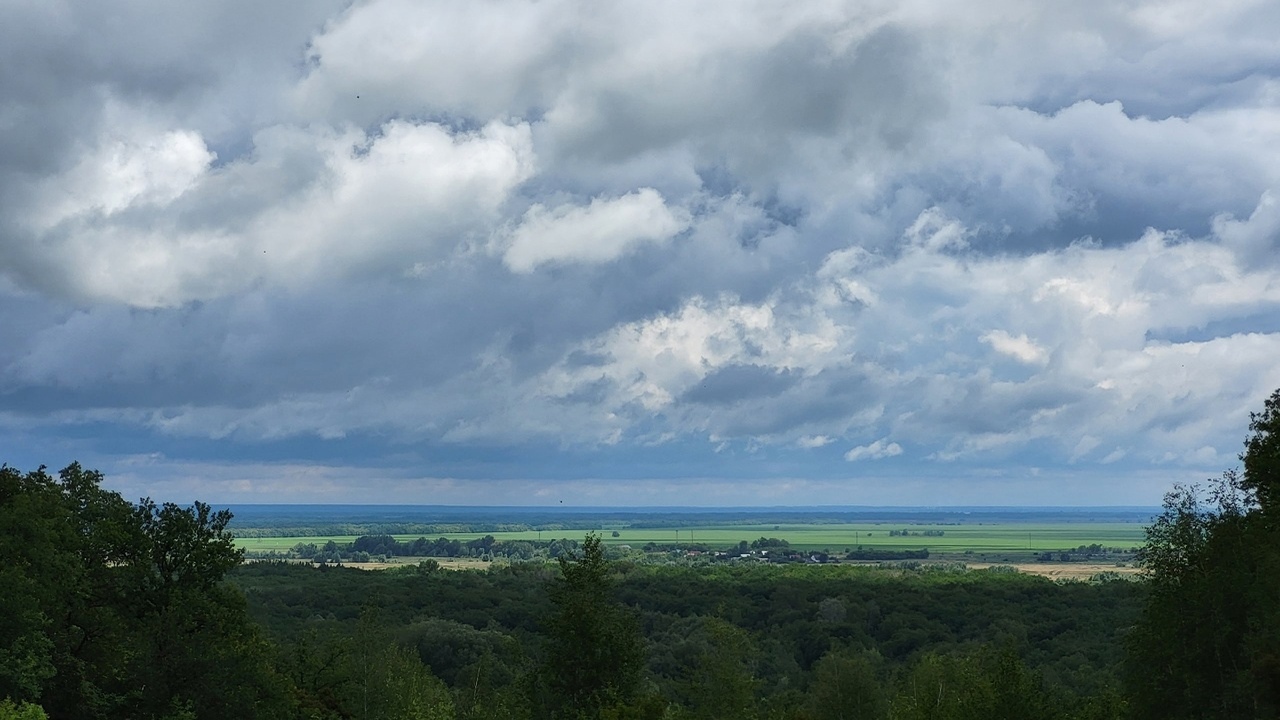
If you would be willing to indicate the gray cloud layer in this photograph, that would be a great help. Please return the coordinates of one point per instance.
(840, 239)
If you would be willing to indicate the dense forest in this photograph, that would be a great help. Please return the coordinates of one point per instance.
(111, 609)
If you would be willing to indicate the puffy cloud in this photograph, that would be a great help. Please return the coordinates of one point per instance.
(139, 221)
(1019, 347)
(875, 451)
(655, 361)
(599, 232)
(140, 171)
(1105, 356)
(1255, 237)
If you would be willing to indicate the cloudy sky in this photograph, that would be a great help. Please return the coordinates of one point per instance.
(662, 253)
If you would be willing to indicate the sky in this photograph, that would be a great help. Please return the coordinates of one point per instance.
(732, 252)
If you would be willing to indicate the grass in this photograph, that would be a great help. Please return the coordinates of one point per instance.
(996, 538)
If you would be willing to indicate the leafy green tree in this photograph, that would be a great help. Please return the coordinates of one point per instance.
(361, 673)
(77, 568)
(192, 642)
(594, 652)
(848, 686)
(318, 667)
(452, 649)
(991, 685)
(408, 690)
(1261, 457)
(718, 681)
(20, 711)
(1207, 641)
(32, 573)
(482, 694)
(1187, 655)
(1208, 644)
(116, 610)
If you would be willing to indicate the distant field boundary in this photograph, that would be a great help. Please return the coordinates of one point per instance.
(1054, 571)
(835, 538)
(434, 521)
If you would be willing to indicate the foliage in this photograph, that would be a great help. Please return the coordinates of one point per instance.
(862, 554)
(20, 711)
(117, 610)
(594, 652)
(992, 685)
(113, 610)
(709, 670)
(1208, 643)
(849, 685)
(1261, 457)
(716, 637)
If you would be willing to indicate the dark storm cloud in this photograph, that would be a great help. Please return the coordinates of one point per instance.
(734, 383)
(748, 106)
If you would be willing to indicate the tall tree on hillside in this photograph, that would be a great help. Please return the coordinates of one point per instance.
(114, 610)
(1208, 644)
(31, 571)
(1261, 456)
(594, 652)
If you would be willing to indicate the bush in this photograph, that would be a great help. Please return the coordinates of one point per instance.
(22, 711)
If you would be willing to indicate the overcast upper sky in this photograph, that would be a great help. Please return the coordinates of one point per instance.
(727, 252)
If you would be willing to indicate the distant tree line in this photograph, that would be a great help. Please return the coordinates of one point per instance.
(367, 547)
(1094, 551)
(876, 554)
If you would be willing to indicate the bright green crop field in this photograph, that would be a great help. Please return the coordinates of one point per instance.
(833, 537)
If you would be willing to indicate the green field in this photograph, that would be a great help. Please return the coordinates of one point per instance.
(977, 538)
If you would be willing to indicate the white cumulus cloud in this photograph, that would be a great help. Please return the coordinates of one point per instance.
(875, 451)
(602, 231)
(1020, 347)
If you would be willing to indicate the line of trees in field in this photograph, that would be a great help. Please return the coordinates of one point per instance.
(877, 554)
(367, 547)
(1093, 551)
(374, 548)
